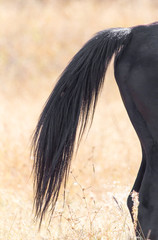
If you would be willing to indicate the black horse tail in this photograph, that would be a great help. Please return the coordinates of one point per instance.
(68, 107)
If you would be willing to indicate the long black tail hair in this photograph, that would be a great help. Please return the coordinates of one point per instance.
(68, 108)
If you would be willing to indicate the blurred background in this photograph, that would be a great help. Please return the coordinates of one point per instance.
(37, 40)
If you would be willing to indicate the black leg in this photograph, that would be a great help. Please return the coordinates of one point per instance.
(137, 184)
(138, 85)
(148, 196)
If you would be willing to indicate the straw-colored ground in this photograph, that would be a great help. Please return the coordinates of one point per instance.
(37, 39)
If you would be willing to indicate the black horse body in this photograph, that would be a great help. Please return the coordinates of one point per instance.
(137, 77)
(136, 73)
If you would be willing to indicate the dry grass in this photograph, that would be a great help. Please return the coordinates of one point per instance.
(37, 39)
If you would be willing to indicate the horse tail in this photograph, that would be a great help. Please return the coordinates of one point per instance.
(68, 109)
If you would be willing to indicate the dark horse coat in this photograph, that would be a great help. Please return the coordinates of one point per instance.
(73, 101)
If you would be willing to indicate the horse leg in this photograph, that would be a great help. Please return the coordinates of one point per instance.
(143, 91)
(138, 88)
(146, 141)
(147, 178)
(148, 195)
(137, 184)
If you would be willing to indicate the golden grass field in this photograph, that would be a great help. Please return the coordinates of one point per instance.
(37, 40)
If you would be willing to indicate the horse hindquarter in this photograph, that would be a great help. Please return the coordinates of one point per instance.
(136, 73)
